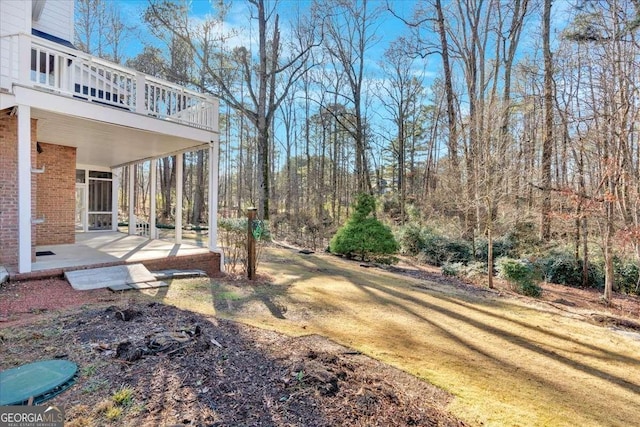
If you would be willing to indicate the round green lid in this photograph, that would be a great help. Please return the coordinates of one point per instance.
(40, 380)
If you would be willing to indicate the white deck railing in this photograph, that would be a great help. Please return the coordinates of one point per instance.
(35, 62)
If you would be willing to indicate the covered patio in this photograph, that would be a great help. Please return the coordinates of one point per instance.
(110, 247)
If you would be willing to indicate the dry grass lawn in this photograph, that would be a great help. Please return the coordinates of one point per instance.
(508, 361)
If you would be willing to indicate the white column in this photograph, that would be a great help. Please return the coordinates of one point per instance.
(152, 197)
(213, 196)
(24, 189)
(116, 175)
(132, 212)
(24, 46)
(179, 173)
(213, 201)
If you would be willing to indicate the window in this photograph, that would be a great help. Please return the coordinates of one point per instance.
(100, 175)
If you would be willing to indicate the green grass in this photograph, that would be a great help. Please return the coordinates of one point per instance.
(228, 295)
(123, 397)
(94, 385)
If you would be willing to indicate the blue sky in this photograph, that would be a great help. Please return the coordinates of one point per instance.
(389, 29)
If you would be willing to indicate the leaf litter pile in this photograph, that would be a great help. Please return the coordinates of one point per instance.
(149, 364)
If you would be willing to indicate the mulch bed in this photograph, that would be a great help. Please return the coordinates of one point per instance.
(22, 302)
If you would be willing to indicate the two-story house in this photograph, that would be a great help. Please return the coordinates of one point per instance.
(69, 123)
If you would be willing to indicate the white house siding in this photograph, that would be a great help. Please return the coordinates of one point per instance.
(56, 19)
(15, 17)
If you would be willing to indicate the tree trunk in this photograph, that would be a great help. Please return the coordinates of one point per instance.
(547, 143)
(448, 87)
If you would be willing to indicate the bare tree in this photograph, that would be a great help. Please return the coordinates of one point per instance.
(401, 93)
(349, 29)
(267, 76)
(101, 30)
(547, 143)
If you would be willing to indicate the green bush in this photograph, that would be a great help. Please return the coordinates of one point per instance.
(363, 235)
(521, 274)
(232, 233)
(626, 275)
(451, 268)
(432, 248)
(437, 250)
(411, 239)
(562, 268)
(505, 246)
(458, 269)
(473, 270)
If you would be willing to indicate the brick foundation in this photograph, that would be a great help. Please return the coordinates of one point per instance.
(207, 262)
(56, 192)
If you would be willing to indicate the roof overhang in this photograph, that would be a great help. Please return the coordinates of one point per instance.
(107, 136)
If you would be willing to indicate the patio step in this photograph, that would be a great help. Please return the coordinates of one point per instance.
(105, 277)
(142, 285)
(4, 275)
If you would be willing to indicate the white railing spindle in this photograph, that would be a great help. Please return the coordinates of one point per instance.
(36, 62)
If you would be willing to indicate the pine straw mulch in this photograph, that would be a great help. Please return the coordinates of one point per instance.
(183, 368)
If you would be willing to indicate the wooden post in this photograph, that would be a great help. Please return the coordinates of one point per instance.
(251, 244)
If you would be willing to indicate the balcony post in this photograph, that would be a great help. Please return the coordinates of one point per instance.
(215, 107)
(116, 175)
(24, 67)
(132, 200)
(152, 189)
(179, 183)
(140, 93)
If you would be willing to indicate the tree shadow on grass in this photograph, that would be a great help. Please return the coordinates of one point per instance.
(398, 296)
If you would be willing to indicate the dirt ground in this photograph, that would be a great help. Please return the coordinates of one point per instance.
(182, 368)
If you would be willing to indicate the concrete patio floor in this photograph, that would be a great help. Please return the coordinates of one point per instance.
(110, 247)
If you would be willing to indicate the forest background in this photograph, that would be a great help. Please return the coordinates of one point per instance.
(484, 129)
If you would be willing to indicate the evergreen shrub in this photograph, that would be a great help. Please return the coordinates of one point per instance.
(451, 268)
(561, 267)
(411, 239)
(438, 249)
(363, 235)
(473, 270)
(521, 274)
(504, 246)
(626, 275)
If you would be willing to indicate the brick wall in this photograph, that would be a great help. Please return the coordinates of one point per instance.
(9, 188)
(56, 192)
(207, 262)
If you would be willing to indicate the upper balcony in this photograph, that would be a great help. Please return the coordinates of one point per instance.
(40, 64)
